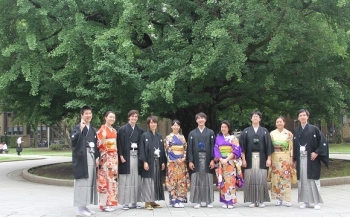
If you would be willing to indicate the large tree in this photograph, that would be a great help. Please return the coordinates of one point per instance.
(177, 58)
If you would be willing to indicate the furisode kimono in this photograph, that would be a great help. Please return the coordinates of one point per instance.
(108, 167)
(280, 165)
(177, 178)
(230, 173)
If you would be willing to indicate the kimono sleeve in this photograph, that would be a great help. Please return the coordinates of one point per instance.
(217, 153)
(76, 136)
(120, 141)
(322, 149)
(190, 148)
(243, 141)
(143, 149)
(268, 143)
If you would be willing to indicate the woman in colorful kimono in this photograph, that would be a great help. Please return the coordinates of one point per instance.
(177, 178)
(282, 160)
(108, 164)
(227, 153)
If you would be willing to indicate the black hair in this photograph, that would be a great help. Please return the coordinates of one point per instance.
(84, 108)
(303, 110)
(227, 123)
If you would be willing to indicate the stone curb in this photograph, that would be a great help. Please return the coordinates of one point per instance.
(65, 182)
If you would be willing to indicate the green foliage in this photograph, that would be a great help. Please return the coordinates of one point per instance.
(174, 58)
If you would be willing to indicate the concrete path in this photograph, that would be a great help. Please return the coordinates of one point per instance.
(20, 198)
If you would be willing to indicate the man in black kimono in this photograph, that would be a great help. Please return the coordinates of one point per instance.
(310, 148)
(152, 155)
(257, 148)
(84, 154)
(129, 192)
(200, 148)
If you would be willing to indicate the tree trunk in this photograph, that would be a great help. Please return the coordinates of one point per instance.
(187, 118)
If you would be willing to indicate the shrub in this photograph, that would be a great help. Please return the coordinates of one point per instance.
(59, 146)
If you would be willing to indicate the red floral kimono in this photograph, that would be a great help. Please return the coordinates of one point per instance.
(107, 185)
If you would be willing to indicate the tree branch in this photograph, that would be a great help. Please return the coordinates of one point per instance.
(305, 5)
(252, 47)
(53, 34)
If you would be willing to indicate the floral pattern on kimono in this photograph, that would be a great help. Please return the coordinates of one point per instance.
(177, 177)
(230, 174)
(281, 168)
(108, 167)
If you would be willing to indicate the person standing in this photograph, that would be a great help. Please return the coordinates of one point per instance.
(227, 153)
(257, 148)
(310, 148)
(201, 162)
(152, 155)
(108, 164)
(84, 155)
(177, 179)
(19, 146)
(129, 182)
(281, 163)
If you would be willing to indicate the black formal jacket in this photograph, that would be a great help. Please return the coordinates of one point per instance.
(193, 149)
(148, 144)
(126, 135)
(246, 142)
(80, 141)
(316, 142)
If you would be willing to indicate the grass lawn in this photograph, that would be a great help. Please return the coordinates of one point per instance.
(5, 158)
(339, 148)
(42, 151)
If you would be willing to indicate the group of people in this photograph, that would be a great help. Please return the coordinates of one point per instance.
(131, 164)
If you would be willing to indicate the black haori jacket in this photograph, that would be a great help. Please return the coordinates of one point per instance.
(148, 144)
(246, 141)
(316, 142)
(192, 148)
(126, 135)
(80, 140)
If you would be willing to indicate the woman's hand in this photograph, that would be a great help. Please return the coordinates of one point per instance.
(163, 166)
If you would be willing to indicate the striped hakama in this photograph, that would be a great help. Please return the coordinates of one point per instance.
(129, 186)
(85, 190)
(152, 188)
(255, 182)
(202, 183)
(308, 189)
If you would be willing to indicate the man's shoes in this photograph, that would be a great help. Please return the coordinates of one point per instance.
(317, 206)
(89, 210)
(197, 206)
(304, 205)
(261, 205)
(155, 205)
(210, 205)
(148, 206)
(125, 207)
(288, 204)
(252, 205)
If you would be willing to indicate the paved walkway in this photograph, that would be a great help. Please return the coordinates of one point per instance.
(20, 198)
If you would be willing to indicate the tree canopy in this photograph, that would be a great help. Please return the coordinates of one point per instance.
(175, 58)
